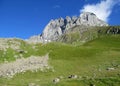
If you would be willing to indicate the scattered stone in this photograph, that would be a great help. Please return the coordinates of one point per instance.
(72, 76)
(56, 80)
(110, 69)
(32, 63)
(12, 43)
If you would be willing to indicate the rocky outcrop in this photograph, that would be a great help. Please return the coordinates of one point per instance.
(35, 39)
(57, 27)
(113, 30)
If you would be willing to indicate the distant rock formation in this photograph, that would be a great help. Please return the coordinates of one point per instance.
(35, 39)
(57, 27)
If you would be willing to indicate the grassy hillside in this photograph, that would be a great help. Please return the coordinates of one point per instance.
(82, 34)
(90, 62)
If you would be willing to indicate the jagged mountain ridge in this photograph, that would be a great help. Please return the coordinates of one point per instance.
(55, 28)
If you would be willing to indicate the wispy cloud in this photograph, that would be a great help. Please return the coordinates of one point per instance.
(103, 9)
(57, 6)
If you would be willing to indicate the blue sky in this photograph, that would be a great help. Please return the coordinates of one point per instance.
(24, 18)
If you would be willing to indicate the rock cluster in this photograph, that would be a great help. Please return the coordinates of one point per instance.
(9, 43)
(32, 63)
(57, 27)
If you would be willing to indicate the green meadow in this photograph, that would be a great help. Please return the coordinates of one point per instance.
(89, 61)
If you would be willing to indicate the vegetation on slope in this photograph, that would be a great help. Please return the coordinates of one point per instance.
(84, 33)
(90, 62)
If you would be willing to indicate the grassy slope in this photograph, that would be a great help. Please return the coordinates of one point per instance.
(84, 60)
(82, 34)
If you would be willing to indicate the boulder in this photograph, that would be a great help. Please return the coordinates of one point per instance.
(56, 80)
(72, 76)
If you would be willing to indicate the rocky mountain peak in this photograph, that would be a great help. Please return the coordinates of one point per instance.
(87, 14)
(57, 27)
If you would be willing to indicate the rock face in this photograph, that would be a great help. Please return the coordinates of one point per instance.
(57, 27)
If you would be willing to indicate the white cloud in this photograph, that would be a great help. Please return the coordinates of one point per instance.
(102, 9)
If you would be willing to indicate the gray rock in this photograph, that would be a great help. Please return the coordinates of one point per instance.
(91, 19)
(56, 80)
(35, 39)
(110, 69)
(55, 28)
(72, 76)
(74, 18)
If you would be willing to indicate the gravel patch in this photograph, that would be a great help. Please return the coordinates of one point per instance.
(12, 43)
(33, 63)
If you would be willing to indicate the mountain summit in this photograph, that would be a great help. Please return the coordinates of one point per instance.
(57, 27)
